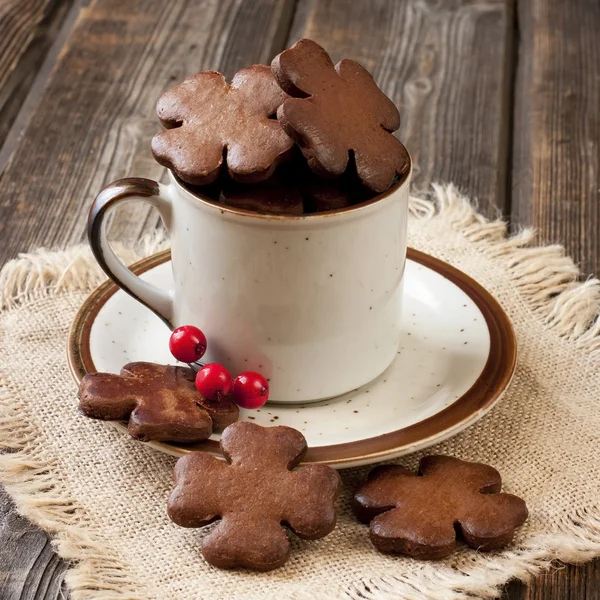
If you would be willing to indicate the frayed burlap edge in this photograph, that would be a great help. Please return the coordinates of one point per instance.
(548, 284)
(97, 572)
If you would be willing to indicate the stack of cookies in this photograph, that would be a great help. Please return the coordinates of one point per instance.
(301, 136)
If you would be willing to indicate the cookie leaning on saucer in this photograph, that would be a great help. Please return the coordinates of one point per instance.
(160, 403)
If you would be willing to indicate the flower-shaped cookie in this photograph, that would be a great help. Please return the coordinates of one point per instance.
(253, 496)
(420, 515)
(277, 196)
(160, 402)
(209, 121)
(336, 112)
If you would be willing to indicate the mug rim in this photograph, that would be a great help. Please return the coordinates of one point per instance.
(224, 208)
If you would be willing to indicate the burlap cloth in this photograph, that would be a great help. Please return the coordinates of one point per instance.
(102, 496)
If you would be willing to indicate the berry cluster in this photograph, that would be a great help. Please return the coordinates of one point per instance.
(248, 390)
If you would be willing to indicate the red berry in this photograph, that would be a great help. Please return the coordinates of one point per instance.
(213, 381)
(187, 344)
(250, 390)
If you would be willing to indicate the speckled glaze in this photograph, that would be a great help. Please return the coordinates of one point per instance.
(311, 302)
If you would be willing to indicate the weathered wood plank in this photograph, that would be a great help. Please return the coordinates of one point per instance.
(514, 590)
(28, 104)
(567, 582)
(95, 118)
(556, 161)
(446, 65)
(27, 28)
(29, 568)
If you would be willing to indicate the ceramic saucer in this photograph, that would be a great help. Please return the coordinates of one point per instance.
(456, 359)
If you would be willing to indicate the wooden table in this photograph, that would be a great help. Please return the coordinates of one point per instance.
(501, 97)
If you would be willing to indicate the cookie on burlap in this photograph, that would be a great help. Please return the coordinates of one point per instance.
(421, 515)
(207, 119)
(338, 112)
(254, 494)
(160, 403)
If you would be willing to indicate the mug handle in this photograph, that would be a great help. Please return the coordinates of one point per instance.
(132, 188)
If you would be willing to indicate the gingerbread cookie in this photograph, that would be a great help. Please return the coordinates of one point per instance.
(336, 111)
(160, 402)
(332, 194)
(253, 495)
(325, 194)
(421, 515)
(273, 197)
(207, 118)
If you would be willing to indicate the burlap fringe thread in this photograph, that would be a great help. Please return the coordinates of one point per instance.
(548, 281)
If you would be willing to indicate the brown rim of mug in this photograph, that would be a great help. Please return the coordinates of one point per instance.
(403, 179)
(483, 394)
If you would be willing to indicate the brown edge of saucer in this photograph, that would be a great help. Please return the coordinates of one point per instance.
(487, 389)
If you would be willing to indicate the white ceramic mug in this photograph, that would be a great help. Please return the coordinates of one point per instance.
(312, 302)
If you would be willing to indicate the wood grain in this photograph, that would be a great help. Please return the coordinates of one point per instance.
(515, 590)
(447, 65)
(566, 582)
(27, 28)
(556, 160)
(95, 118)
(28, 105)
(29, 568)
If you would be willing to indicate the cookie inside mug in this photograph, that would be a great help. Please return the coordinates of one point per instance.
(302, 136)
(293, 190)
